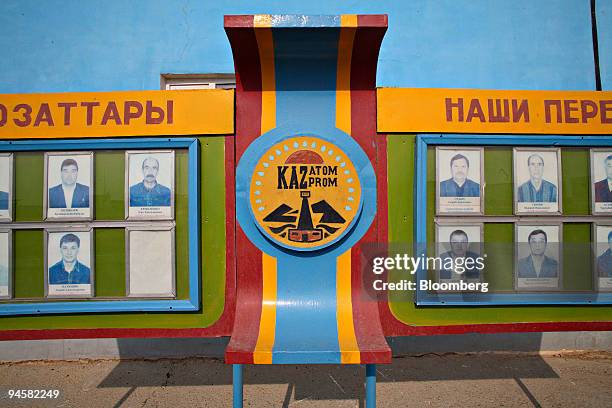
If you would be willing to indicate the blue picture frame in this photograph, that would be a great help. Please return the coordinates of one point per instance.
(423, 298)
(111, 306)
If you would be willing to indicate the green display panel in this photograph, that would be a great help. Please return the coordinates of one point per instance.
(109, 247)
(109, 179)
(110, 243)
(110, 263)
(29, 186)
(498, 175)
(577, 273)
(498, 193)
(28, 269)
(498, 203)
(576, 181)
(500, 264)
(577, 257)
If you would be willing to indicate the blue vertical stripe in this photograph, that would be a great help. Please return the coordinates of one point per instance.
(306, 324)
(305, 63)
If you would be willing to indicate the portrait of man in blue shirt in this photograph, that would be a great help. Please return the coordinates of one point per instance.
(537, 264)
(69, 270)
(4, 200)
(604, 261)
(603, 188)
(537, 190)
(459, 244)
(459, 185)
(149, 193)
(69, 194)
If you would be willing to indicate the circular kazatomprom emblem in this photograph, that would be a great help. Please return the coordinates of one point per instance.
(305, 193)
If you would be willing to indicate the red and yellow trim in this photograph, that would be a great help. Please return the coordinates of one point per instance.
(254, 343)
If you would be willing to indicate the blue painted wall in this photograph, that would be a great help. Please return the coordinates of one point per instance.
(604, 35)
(90, 45)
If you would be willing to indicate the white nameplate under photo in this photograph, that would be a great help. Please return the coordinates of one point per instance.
(5, 265)
(603, 257)
(537, 180)
(69, 263)
(538, 263)
(601, 181)
(459, 180)
(149, 184)
(459, 247)
(150, 262)
(6, 187)
(68, 186)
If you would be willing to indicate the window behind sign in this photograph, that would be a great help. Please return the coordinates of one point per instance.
(197, 81)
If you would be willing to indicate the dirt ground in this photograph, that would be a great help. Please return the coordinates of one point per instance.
(432, 380)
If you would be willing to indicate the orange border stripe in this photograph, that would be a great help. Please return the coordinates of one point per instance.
(349, 349)
(347, 340)
(343, 76)
(265, 44)
(267, 325)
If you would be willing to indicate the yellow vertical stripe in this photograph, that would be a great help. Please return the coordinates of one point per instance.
(349, 349)
(267, 324)
(265, 44)
(343, 74)
(348, 20)
(262, 20)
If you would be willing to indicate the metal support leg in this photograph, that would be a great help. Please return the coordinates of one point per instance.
(370, 385)
(237, 385)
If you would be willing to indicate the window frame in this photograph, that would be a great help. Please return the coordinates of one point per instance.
(197, 81)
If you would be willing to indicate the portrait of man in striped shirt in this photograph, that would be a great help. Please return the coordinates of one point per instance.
(536, 189)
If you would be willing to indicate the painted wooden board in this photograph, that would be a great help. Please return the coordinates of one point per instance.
(422, 110)
(108, 114)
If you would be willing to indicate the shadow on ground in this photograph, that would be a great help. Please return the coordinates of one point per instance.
(334, 382)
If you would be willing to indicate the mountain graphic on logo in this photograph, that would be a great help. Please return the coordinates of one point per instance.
(297, 224)
(304, 230)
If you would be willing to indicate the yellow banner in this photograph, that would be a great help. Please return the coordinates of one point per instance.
(493, 111)
(108, 114)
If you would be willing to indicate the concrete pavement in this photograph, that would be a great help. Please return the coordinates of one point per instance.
(431, 380)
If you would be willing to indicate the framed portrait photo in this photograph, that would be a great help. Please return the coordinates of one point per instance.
(458, 246)
(6, 266)
(602, 239)
(538, 263)
(601, 181)
(537, 180)
(68, 192)
(459, 180)
(69, 263)
(6, 187)
(149, 184)
(150, 262)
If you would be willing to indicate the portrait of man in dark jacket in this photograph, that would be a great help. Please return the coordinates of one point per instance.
(69, 194)
(537, 264)
(603, 188)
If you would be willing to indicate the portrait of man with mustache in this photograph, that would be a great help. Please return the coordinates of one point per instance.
(149, 193)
